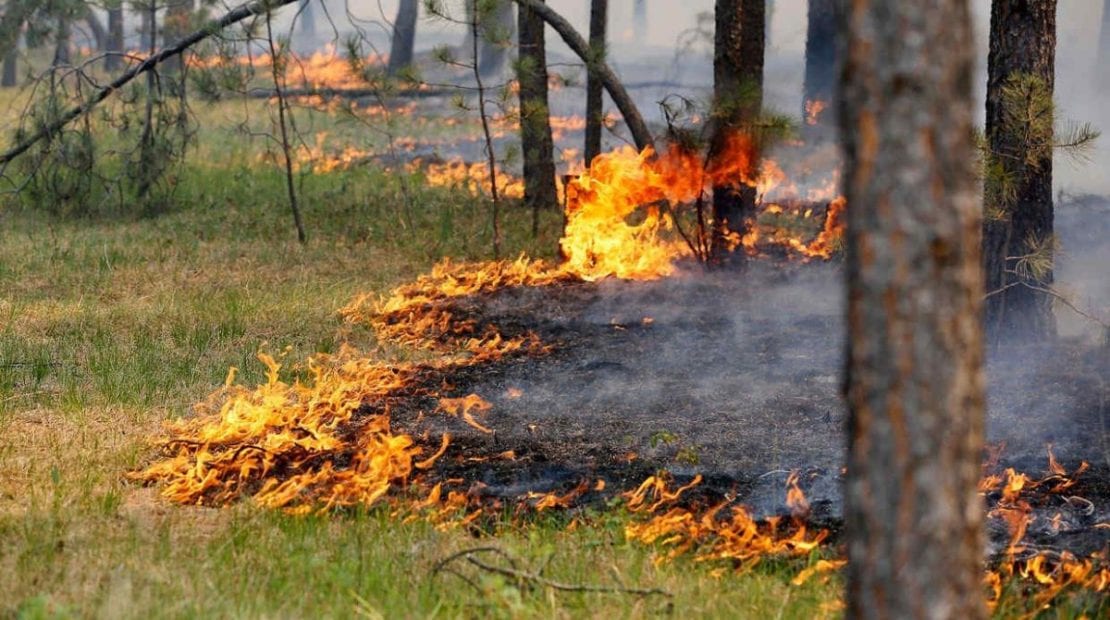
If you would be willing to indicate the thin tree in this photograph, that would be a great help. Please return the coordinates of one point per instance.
(738, 52)
(1103, 62)
(404, 36)
(9, 76)
(475, 15)
(599, 18)
(114, 45)
(915, 386)
(535, 117)
(820, 68)
(493, 34)
(1018, 223)
(62, 40)
(278, 60)
(175, 25)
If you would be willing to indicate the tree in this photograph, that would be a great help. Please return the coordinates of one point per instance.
(1018, 223)
(595, 95)
(820, 71)
(1104, 50)
(308, 18)
(9, 76)
(914, 387)
(495, 30)
(404, 36)
(62, 40)
(535, 118)
(176, 25)
(114, 44)
(738, 49)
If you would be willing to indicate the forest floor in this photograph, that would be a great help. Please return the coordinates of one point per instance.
(112, 324)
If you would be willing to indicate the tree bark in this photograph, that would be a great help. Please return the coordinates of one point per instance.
(535, 118)
(174, 26)
(820, 71)
(914, 387)
(495, 31)
(595, 93)
(1019, 200)
(641, 135)
(62, 39)
(738, 52)
(114, 61)
(404, 36)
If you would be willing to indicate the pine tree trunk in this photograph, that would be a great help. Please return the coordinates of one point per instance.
(599, 18)
(915, 386)
(113, 61)
(96, 29)
(174, 26)
(1102, 66)
(62, 41)
(10, 70)
(404, 36)
(496, 33)
(820, 71)
(1022, 42)
(738, 51)
(535, 120)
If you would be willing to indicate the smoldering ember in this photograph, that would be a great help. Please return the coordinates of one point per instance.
(532, 309)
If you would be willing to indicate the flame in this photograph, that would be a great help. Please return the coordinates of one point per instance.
(814, 108)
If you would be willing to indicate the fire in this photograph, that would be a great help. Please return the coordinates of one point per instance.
(814, 108)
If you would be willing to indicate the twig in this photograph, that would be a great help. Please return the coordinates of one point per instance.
(277, 70)
(522, 576)
(490, 156)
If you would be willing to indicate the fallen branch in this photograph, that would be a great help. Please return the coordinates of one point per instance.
(523, 577)
(641, 135)
(258, 7)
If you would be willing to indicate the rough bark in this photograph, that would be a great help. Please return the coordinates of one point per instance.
(595, 93)
(641, 135)
(114, 47)
(404, 36)
(738, 51)
(1022, 42)
(914, 387)
(820, 72)
(535, 119)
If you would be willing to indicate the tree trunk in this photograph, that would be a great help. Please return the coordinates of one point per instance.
(62, 40)
(640, 20)
(1102, 66)
(96, 29)
(496, 33)
(738, 50)
(9, 77)
(1019, 196)
(915, 387)
(174, 26)
(113, 61)
(404, 36)
(535, 119)
(820, 72)
(595, 94)
(307, 24)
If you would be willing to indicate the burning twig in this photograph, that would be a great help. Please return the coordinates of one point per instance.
(525, 578)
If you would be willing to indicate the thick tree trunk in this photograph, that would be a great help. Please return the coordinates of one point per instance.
(404, 36)
(535, 118)
(9, 77)
(738, 52)
(1102, 66)
(595, 92)
(820, 73)
(915, 385)
(113, 61)
(1019, 210)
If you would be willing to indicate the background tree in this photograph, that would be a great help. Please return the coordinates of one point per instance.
(535, 118)
(404, 36)
(307, 20)
(914, 369)
(175, 25)
(1102, 67)
(1018, 223)
(595, 93)
(114, 44)
(495, 33)
(738, 52)
(820, 71)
